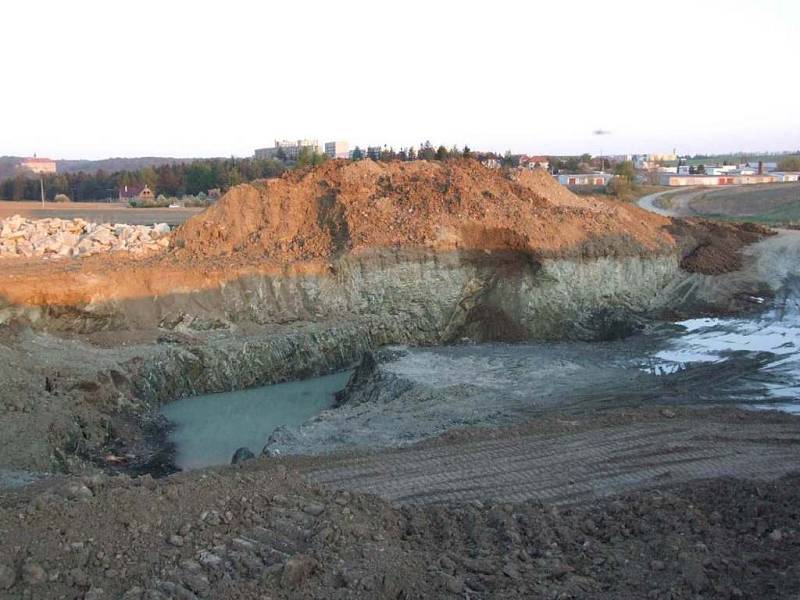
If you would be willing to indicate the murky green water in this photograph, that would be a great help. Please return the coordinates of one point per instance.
(209, 429)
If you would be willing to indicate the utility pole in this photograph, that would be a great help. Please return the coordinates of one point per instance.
(41, 186)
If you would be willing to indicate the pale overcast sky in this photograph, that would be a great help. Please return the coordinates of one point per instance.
(91, 79)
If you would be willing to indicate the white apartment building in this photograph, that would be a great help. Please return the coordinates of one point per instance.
(287, 149)
(338, 149)
(38, 165)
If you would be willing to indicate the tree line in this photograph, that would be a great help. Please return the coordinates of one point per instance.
(172, 180)
(426, 151)
(190, 179)
(176, 180)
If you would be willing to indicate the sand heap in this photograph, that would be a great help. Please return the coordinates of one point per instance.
(348, 207)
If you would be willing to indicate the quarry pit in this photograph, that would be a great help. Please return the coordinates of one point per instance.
(514, 396)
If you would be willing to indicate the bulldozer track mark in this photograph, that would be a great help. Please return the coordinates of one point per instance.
(568, 468)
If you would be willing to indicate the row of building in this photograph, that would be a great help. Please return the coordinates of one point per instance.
(740, 174)
(677, 180)
(290, 150)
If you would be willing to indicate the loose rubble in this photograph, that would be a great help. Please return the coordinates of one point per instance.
(63, 238)
(142, 539)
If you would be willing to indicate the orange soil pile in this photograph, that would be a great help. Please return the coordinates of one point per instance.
(348, 207)
(296, 224)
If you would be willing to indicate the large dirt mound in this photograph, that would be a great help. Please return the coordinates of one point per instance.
(346, 207)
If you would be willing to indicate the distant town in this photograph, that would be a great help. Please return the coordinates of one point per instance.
(657, 169)
(197, 182)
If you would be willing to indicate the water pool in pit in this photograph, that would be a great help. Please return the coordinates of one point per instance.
(208, 429)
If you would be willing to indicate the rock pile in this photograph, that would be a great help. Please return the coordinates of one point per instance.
(57, 238)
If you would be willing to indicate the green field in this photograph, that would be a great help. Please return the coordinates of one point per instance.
(771, 204)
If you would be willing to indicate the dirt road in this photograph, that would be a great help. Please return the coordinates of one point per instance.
(678, 204)
(560, 461)
(98, 212)
(773, 204)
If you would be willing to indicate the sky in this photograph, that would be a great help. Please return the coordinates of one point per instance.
(93, 79)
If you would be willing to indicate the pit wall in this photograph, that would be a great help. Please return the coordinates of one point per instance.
(321, 324)
(420, 297)
(260, 330)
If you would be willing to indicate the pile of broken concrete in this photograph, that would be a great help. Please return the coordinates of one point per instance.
(63, 238)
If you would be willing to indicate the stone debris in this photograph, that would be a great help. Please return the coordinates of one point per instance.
(32, 573)
(64, 238)
(241, 455)
(7, 577)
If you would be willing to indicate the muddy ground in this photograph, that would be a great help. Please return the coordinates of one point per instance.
(264, 530)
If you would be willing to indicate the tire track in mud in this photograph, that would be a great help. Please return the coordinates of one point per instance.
(570, 468)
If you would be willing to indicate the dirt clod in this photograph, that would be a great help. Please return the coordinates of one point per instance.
(33, 574)
(296, 571)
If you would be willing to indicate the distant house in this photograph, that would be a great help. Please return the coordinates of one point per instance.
(745, 171)
(725, 179)
(135, 192)
(583, 179)
(492, 163)
(286, 149)
(785, 176)
(534, 162)
(38, 165)
(648, 161)
(720, 169)
(747, 179)
(337, 149)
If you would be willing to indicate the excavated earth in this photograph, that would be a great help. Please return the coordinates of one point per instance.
(304, 275)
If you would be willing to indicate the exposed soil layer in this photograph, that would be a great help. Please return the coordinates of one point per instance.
(301, 223)
(262, 531)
